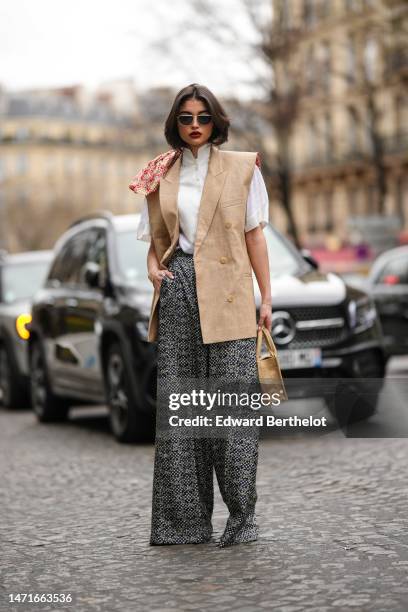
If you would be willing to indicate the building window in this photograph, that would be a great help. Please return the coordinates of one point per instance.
(22, 133)
(309, 13)
(68, 165)
(352, 201)
(328, 137)
(50, 164)
(370, 56)
(324, 65)
(351, 60)
(328, 201)
(22, 163)
(367, 135)
(353, 129)
(87, 167)
(401, 118)
(352, 5)
(284, 14)
(312, 141)
(22, 196)
(104, 166)
(325, 6)
(371, 199)
(399, 198)
(311, 217)
(310, 71)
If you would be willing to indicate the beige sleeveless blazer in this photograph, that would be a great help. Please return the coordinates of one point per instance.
(225, 290)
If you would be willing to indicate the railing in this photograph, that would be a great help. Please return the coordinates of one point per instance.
(391, 145)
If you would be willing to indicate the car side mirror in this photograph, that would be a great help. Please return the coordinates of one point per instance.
(92, 274)
(307, 256)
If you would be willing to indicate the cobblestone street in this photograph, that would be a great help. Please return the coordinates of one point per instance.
(75, 516)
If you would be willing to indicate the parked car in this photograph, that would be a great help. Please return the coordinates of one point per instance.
(387, 283)
(20, 276)
(327, 332)
(89, 330)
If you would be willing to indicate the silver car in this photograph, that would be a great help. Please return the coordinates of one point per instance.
(20, 277)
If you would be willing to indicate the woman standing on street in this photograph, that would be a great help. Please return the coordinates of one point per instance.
(203, 215)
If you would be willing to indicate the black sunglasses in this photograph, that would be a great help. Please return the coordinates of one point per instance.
(188, 119)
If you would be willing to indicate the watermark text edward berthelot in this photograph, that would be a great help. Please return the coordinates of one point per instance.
(269, 420)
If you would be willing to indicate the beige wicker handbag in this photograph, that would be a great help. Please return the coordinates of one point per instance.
(270, 376)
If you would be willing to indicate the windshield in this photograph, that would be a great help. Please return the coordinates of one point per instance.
(132, 255)
(21, 280)
(282, 260)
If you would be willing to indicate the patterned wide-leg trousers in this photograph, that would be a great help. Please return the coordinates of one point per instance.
(183, 494)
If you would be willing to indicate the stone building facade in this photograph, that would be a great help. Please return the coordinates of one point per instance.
(63, 154)
(347, 55)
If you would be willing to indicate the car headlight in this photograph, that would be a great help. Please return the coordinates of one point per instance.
(362, 314)
(21, 325)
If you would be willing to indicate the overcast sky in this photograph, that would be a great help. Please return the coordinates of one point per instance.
(47, 43)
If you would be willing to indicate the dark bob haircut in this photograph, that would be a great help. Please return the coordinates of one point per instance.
(219, 116)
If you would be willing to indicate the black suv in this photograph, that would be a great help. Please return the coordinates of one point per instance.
(89, 329)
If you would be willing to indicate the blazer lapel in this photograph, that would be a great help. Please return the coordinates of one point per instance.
(212, 189)
(168, 195)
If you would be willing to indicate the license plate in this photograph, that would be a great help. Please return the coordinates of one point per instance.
(300, 358)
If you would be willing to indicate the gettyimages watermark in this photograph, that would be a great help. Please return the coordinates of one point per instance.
(211, 401)
(221, 407)
(355, 406)
(206, 400)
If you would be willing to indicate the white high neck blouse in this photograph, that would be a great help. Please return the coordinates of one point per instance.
(193, 172)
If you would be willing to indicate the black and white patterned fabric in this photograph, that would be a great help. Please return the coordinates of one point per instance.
(183, 494)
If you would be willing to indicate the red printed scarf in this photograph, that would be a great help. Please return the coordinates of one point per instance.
(147, 179)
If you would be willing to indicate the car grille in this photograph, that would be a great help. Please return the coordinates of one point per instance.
(328, 326)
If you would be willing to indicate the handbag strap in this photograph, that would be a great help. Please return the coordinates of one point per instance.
(264, 332)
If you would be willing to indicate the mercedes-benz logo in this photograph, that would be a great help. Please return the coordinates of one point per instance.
(283, 327)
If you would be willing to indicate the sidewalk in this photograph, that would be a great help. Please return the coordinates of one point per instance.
(75, 519)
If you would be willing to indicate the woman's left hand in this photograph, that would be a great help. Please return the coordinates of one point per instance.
(265, 317)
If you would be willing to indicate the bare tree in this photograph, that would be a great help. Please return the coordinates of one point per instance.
(281, 75)
(387, 37)
(276, 106)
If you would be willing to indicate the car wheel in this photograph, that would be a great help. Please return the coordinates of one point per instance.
(354, 401)
(12, 394)
(47, 407)
(127, 422)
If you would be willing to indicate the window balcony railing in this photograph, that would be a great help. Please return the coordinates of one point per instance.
(398, 143)
(392, 145)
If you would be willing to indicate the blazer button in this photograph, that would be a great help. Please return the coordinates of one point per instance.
(223, 260)
(228, 225)
(230, 298)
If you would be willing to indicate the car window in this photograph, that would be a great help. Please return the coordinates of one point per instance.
(395, 272)
(282, 260)
(21, 280)
(67, 266)
(97, 254)
(131, 255)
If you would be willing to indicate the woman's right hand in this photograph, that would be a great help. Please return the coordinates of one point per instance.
(158, 275)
